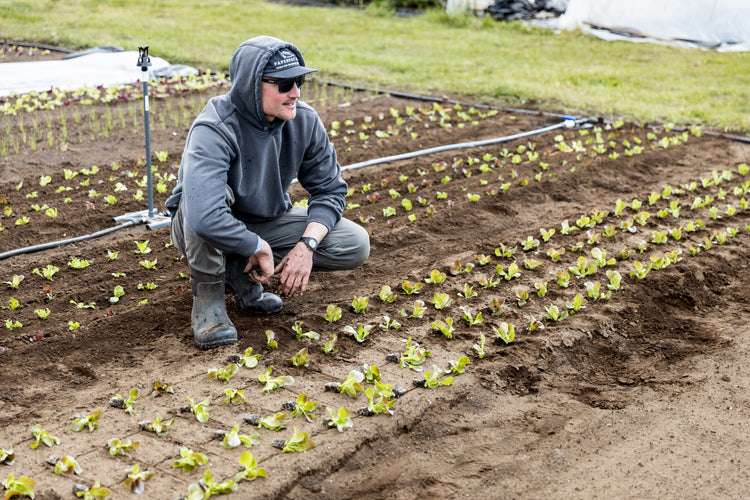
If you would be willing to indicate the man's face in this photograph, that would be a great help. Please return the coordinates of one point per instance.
(278, 105)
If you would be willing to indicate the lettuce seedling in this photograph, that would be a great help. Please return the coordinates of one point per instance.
(200, 410)
(77, 263)
(541, 289)
(271, 342)
(639, 270)
(136, 479)
(299, 442)
(479, 348)
(189, 460)
(458, 268)
(446, 328)
(458, 367)
(157, 426)
(436, 277)
(600, 258)
(328, 347)
(554, 313)
(359, 304)
(352, 385)
(506, 332)
(411, 289)
(42, 436)
(469, 318)
(496, 306)
(577, 304)
(142, 248)
(247, 359)
(593, 289)
(248, 468)
(297, 328)
(377, 403)
(121, 448)
(530, 243)
(47, 272)
(13, 324)
(223, 374)
(89, 422)
(489, 282)
(531, 264)
(547, 234)
(273, 383)
(118, 292)
(431, 379)
(413, 356)
(96, 492)
(417, 311)
(234, 396)
(233, 438)
(83, 305)
(302, 408)
(582, 268)
(522, 295)
(512, 272)
(66, 466)
(7, 457)
(441, 300)
(125, 404)
(614, 280)
(23, 486)
(300, 359)
(339, 418)
(659, 237)
(360, 333)
(388, 323)
(468, 292)
(333, 313)
(207, 487)
(387, 295)
(148, 264)
(14, 282)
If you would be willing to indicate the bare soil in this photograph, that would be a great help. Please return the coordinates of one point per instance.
(641, 395)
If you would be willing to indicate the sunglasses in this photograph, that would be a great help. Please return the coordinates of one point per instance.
(286, 84)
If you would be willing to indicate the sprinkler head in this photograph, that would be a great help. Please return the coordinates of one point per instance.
(144, 61)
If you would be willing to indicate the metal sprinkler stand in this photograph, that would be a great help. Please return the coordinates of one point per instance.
(150, 217)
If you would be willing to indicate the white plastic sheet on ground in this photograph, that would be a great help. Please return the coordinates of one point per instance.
(91, 70)
(720, 24)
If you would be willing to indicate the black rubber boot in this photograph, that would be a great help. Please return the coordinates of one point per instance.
(211, 325)
(249, 295)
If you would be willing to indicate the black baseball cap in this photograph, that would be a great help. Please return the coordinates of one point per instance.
(285, 64)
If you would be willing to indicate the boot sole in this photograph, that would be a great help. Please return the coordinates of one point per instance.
(215, 344)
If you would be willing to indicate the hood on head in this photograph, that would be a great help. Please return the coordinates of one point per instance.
(245, 71)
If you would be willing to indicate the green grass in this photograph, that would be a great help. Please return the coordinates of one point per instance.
(468, 58)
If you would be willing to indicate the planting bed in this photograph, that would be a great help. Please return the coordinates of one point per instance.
(640, 394)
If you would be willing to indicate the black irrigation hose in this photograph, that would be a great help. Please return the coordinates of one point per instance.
(460, 145)
(46, 246)
(419, 97)
(38, 46)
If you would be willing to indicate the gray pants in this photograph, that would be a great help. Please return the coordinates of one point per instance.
(346, 246)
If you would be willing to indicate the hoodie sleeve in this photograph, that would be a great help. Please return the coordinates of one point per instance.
(320, 175)
(205, 166)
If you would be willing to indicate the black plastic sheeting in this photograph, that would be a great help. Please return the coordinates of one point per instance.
(513, 10)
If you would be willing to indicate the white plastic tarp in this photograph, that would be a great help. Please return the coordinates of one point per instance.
(720, 24)
(91, 70)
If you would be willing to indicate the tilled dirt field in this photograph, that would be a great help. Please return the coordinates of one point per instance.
(639, 395)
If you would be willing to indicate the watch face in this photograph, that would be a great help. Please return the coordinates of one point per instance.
(311, 243)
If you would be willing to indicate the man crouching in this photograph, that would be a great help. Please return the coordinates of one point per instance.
(233, 219)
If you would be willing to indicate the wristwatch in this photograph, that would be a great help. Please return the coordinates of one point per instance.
(310, 242)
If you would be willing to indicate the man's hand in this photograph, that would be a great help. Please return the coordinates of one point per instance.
(295, 270)
(260, 264)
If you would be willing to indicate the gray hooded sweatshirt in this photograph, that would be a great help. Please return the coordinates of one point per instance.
(231, 143)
